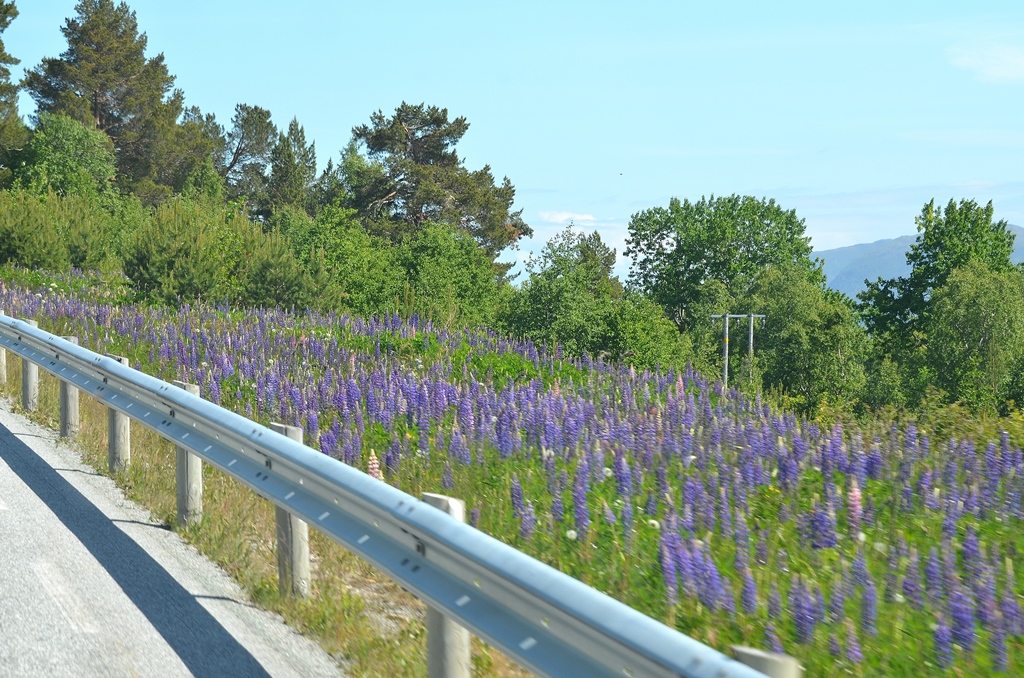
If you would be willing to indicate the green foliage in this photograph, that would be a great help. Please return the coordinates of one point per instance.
(28, 235)
(270, 275)
(53, 232)
(975, 336)
(191, 250)
(896, 311)
(183, 253)
(811, 347)
(677, 251)
(365, 269)
(105, 81)
(204, 182)
(414, 176)
(292, 169)
(246, 152)
(67, 158)
(572, 299)
(947, 239)
(569, 296)
(450, 278)
(641, 335)
(13, 133)
(884, 384)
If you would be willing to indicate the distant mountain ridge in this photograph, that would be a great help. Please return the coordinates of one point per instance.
(848, 267)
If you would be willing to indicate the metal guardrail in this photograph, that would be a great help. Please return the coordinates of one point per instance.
(549, 622)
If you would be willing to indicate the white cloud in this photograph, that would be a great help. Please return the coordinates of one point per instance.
(997, 63)
(565, 217)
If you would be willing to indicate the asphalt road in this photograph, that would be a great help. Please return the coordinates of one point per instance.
(90, 586)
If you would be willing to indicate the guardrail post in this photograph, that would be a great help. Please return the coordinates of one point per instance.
(30, 380)
(448, 653)
(771, 664)
(189, 476)
(119, 447)
(292, 540)
(68, 404)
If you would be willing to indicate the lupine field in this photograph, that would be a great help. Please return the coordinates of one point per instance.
(870, 548)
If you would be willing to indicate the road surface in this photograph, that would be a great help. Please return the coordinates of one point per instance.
(90, 586)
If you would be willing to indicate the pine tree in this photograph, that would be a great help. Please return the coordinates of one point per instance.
(413, 176)
(292, 169)
(13, 133)
(104, 80)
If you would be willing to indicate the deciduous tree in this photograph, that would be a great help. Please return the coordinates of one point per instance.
(975, 342)
(896, 311)
(678, 250)
(66, 157)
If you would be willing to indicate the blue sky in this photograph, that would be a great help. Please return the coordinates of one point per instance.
(853, 116)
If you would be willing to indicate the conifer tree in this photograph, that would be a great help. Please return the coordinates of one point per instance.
(105, 80)
(13, 133)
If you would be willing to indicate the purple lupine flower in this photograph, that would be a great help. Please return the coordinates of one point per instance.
(869, 609)
(819, 605)
(668, 572)
(474, 517)
(748, 595)
(609, 515)
(912, 583)
(833, 645)
(961, 612)
(869, 512)
(557, 508)
(627, 522)
(1009, 607)
(728, 598)
(933, 578)
(860, 568)
(448, 480)
(822, 528)
(801, 608)
(579, 499)
(762, 548)
(623, 477)
(997, 647)
(853, 651)
(517, 497)
(651, 505)
(985, 593)
(943, 640)
(774, 603)
(837, 602)
(772, 639)
(528, 521)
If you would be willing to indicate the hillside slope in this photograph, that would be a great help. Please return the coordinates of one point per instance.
(848, 267)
